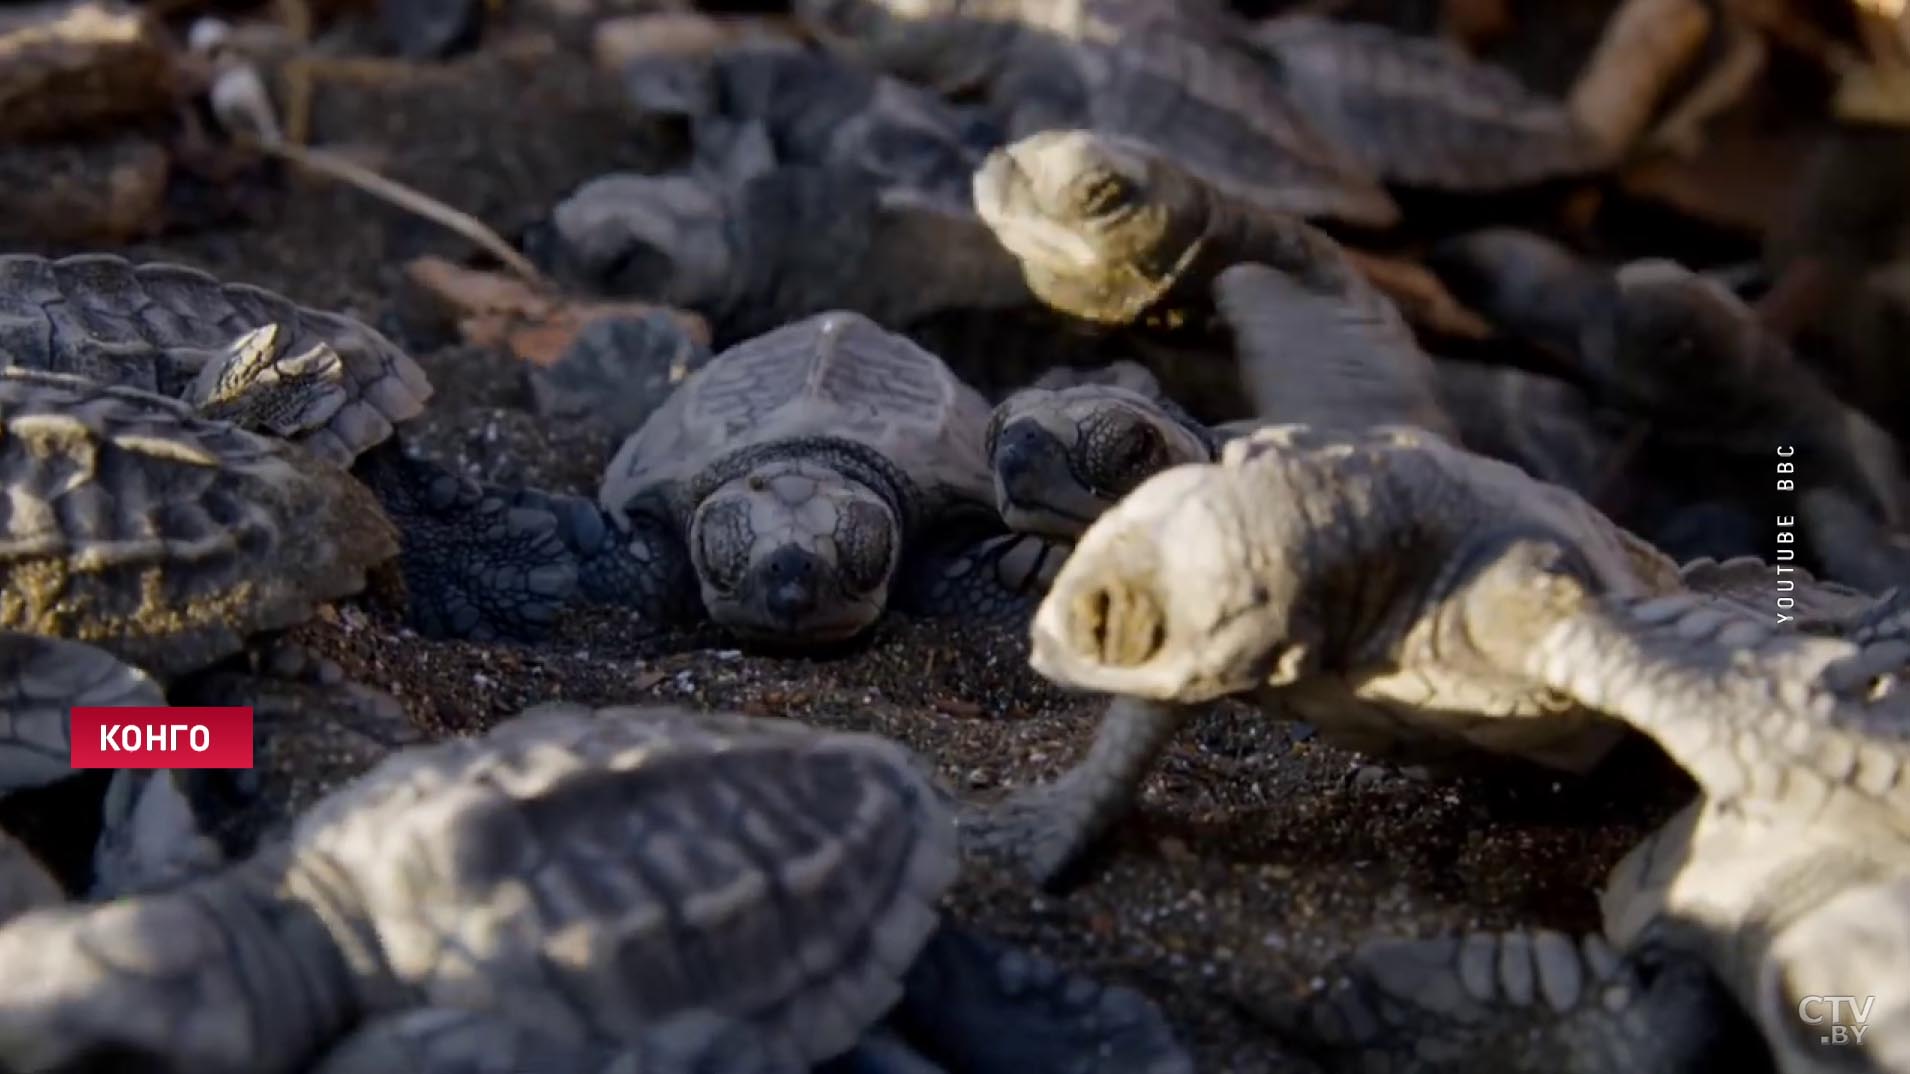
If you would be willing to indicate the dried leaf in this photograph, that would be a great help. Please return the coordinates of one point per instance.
(493, 309)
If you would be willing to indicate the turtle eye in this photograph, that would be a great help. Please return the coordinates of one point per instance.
(1121, 452)
(723, 542)
(865, 546)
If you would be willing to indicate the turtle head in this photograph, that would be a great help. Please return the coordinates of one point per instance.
(1103, 226)
(1671, 333)
(1062, 456)
(662, 236)
(1179, 593)
(793, 550)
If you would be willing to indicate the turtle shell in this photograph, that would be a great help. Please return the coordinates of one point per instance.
(152, 326)
(164, 538)
(652, 876)
(834, 378)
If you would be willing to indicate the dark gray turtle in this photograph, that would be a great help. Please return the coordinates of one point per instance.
(781, 245)
(799, 484)
(1789, 879)
(1315, 343)
(656, 888)
(811, 109)
(1069, 446)
(1180, 76)
(1333, 576)
(1117, 231)
(1420, 111)
(1713, 393)
(336, 387)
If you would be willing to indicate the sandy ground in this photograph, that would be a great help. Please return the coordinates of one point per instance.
(1258, 853)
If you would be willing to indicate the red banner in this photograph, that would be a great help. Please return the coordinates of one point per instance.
(160, 736)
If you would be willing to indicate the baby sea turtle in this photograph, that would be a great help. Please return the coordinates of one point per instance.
(1333, 575)
(1789, 878)
(799, 484)
(162, 537)
(1419, 111)
(1180, 77)
(812, 109)
(1313, 344)
(676, 891)
(1715, 392)
(334, 386)
(1116, 231)
(756, 253)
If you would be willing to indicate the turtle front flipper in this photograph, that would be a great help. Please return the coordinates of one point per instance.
(222, 977)
(474, 565)
(975, 572)
(25, 883)
(1318, 344)
(972, 1004)
(1045, 829)
(447, 1040)
(41, 681)
(1517, 1002)
(642, 565)
(1751, 708)
(254, 384)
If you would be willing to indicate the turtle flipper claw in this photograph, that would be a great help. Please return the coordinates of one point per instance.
(474, 565)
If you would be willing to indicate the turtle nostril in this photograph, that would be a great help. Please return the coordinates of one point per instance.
(1120, 625)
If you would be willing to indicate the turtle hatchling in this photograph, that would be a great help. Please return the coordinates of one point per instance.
(242, 354)
(799, 484)
(1420, 112)
(628, 889)
(1316, 344)
(1180, 76)
(1116, 231)
(810, 108)
(1334, 575)
(163, 537)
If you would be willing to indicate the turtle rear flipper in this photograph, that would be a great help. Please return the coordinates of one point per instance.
(973, 1004)
(254, 384)
(41, 681)
(474, 565)
(1515, 1003)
